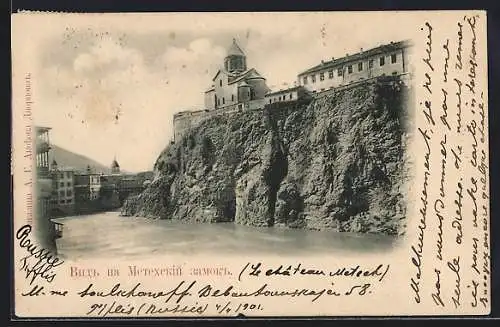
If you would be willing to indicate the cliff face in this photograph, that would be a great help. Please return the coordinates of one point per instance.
(337, 163)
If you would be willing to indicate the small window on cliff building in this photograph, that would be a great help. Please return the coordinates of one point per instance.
(393, 58)
(382, 61)
(305, 79)
(360, 66)
(232, 97)
(322, 76)
(220, 82)
(339, 72)
(223, 100)
(291, 96)
(370, 63)
(349, 69)
(330, 74)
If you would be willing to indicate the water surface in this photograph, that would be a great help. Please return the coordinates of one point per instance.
(109, 235)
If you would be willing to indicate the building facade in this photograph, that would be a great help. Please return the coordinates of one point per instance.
(235, 84)
(385, 60)
(94, 186)
(291, 94)
(82, 188)
(86, 192)
(63, 191)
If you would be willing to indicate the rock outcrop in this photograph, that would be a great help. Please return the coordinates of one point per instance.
(337, 162)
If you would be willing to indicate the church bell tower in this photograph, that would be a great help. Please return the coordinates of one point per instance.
(235, 61)
(115, 167)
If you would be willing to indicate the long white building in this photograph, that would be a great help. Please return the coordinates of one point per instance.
(388, 59)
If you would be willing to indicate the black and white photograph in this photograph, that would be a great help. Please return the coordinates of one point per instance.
(285, 139)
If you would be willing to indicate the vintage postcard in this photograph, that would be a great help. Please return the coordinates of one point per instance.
(255, 164)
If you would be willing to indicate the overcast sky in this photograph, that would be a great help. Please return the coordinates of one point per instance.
(109, 85)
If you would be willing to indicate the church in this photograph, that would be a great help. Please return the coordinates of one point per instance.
(234, 83)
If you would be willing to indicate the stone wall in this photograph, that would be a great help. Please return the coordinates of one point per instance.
(187, 120)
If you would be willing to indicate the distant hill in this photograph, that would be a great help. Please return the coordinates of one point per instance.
(68, 159)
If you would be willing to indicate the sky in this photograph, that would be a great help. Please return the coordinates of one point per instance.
(109, 85)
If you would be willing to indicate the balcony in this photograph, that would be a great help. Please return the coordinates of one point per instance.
(42, 146)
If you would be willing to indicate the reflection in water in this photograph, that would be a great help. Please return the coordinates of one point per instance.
(109, 235)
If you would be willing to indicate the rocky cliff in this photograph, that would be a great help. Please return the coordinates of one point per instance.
(337, 162)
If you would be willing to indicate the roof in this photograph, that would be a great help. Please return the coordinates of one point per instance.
(358, 56)
(237, 76)
(245, 74)
(41, 129)
(230, 74)
(68, 169)
(86, 174)
(235, 50)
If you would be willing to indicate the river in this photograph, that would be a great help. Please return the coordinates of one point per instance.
(110, 235)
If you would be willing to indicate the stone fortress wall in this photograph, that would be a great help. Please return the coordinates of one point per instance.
(185, 120)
